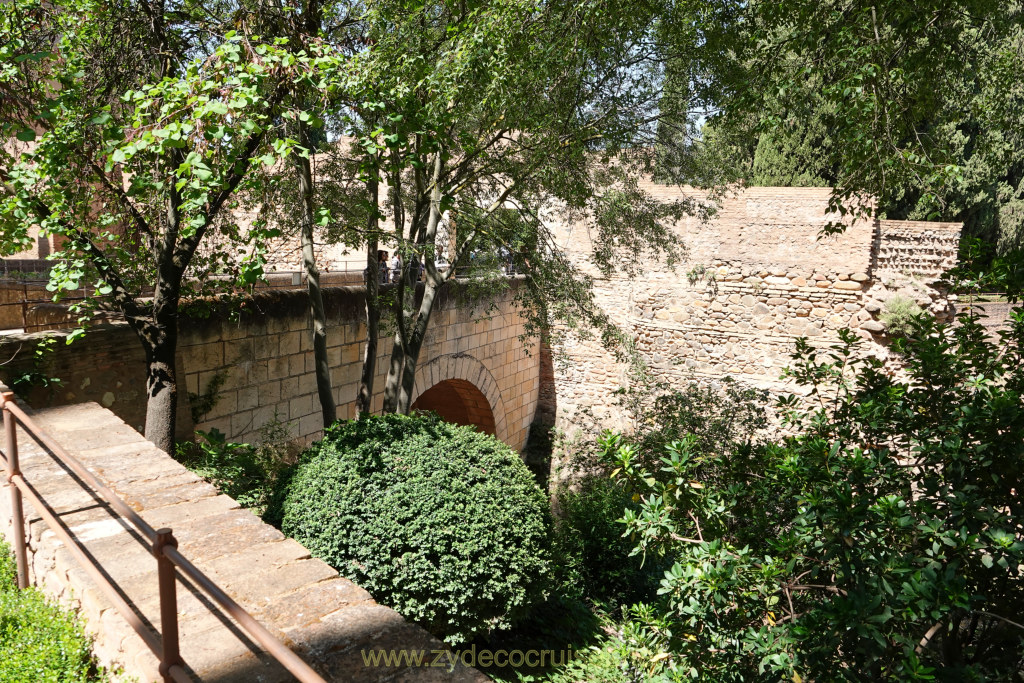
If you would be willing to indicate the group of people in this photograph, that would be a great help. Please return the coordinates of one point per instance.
(390, 269)
(390, 265)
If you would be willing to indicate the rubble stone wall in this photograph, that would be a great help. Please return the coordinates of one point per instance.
(756, 276)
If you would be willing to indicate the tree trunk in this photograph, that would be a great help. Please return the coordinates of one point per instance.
(364, 396)
(415, 344)
(403, 300)
(393, 383)
(161, 385)
(413, 319)
(324, 387)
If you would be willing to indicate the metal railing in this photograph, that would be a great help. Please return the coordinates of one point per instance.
(162, 545)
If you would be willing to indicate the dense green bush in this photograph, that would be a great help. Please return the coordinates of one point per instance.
(8, 568)
(595, 559)
(438, 521)
(899, 314)
(881, 541)
(39, 642)
(246, 472)
(601, 663)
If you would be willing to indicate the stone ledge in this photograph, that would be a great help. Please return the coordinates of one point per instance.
(327, 619)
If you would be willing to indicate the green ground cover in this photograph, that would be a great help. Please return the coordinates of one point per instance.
(40, 642)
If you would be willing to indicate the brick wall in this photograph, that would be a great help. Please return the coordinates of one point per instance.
(28, 305)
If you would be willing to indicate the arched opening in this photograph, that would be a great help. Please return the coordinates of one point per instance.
(458, 401)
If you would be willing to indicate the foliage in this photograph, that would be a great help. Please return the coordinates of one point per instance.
(135, 139)
(600, 663)
(722, 415)
(39, 373)
(898, 315)
(201, 404)
(696, 273)
(911, 103)
(593, 555)
(880, 541)
(38, 640)
(794, 152)
(8, 568)
(479, 121)
(562, 624)
(438, 521)
(247, 473)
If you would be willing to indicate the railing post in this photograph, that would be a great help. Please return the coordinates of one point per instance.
(168, 603)
(14, 470)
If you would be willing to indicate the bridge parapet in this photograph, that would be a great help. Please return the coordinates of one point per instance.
(245, 370)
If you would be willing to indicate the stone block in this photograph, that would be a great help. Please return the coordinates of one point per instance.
(177, 515)
(300, 406)
(241, 422)
(207, 356)
(297, 364)
(290, 343)
(311, 425)
(350, 353)
(277, 368)
(226, 403)
(278, 324)
(289, 388)
(307, 383)
(239, 351)
(269, 393)
(259, 588)
(266, 346)
(248, 398)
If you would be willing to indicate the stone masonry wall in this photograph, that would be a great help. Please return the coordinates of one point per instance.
(756, 277)
(264, 359)
(922, 248)
(29, 306)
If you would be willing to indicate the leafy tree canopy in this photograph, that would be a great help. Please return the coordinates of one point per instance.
(908, 102)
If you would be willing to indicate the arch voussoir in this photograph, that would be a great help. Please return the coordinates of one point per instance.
(468, 369)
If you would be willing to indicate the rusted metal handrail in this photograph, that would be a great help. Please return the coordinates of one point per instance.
(162, 545)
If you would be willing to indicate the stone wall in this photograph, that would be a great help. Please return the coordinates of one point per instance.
(263, 359)
(29, 306)
(921, 248)
(756, 277)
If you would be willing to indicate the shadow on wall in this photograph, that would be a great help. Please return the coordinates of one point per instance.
(547, 399)
(458, 401)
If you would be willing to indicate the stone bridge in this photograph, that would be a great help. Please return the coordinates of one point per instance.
(239, 371)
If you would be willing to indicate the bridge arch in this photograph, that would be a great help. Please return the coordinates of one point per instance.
(461, 389)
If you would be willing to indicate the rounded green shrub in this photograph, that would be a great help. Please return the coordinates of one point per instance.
(440, 522)
(899, 314)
